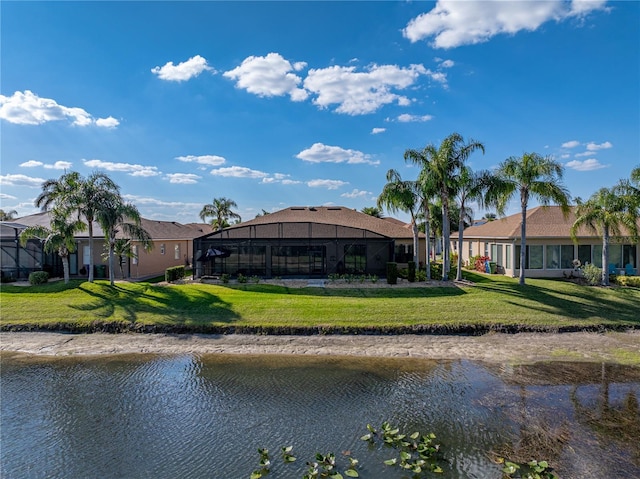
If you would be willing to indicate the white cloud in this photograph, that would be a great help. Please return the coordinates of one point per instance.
(602, 146)
(183, 71)
(356, 193)
(58, 165)
(406, 118)
(269, 76)
(447, 63)
(239, 172)
(328, 184)
(210, 160)
(452, 23)
(183, 178)
(152, 202)
(586, 165)
(131, 169)
(290, 182)
(27, 108)
(21, 180)
(359, 93)
(4, 196)
(320, 153)
(571, 144)
(377, 131)
(109, 122)
(585, 153)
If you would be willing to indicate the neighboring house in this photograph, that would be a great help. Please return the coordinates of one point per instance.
(550, 251)
(306, 242)
(172, 247)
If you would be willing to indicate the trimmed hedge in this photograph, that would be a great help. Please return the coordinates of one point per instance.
(633, 281)
(411, 275)
(174, 273)
(392, 273)
(38, 277)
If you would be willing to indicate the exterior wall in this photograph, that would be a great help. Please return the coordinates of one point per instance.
(163, 255)
(555, 256)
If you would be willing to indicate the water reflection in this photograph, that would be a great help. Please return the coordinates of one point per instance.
(205, 416)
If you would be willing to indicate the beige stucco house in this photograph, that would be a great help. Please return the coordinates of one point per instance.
(550, 251)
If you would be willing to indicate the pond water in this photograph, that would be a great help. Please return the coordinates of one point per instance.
(151, 416)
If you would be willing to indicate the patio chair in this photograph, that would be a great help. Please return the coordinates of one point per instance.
(629, 270)
(612, 268)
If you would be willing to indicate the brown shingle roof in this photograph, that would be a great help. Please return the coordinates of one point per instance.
(542, 222)
(334, 215)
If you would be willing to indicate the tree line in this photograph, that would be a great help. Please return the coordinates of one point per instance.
(445, 179)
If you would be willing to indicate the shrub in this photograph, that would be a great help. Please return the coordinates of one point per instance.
(174, 273)
(592, 274)
(242, 278)
(225, 278)
(632, 281)
(421, 275)
(38, 277)
(392, 273)
(411, 273)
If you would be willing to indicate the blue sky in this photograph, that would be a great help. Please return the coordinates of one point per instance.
(277, 104)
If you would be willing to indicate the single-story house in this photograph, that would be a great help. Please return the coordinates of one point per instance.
(173, 244)
(550, 250)
(306, 242)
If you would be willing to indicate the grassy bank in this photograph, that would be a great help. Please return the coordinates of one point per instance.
(491, 303)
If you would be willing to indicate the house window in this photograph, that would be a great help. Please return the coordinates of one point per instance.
(162, 248)
(584, 254)
(86, 254)
(629, 255)
(134, 250)
(355, 258)
(403, 253)
(176, 252)
(470, 249)
(533, 258)
(486, 249)
(507, 263)
(560, 256)
(494, 252)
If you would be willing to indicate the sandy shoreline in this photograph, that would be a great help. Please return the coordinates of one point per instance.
(496, 347)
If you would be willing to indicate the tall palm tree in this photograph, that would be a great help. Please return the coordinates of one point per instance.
(85, 196)
(445, 163)
(122, 249)
(372, 211)
(530, 175)
(118, 217)
(221, 212)
(8, 215)
(400, 195)
(470, 187)
(605, 213)
(427, 189)
(59, 238)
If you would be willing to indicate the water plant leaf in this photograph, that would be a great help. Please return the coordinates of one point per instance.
(352, 473)
(391, 462)
(256, 474)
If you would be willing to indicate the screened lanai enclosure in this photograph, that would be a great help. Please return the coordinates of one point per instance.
(17, 261)
(293, 250)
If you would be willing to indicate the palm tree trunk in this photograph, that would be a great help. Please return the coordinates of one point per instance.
(65, 268)
(446, 236)
(523, 242)
(90, 224)
(111, 255)
(605, 256)
(460, 236)
(416, 242)
(427, 232)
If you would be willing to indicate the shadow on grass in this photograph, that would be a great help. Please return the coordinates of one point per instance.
(198, 307)
(616, 305)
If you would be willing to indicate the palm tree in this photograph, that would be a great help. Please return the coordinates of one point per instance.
(8, 215)
(372, 211)
(122, 249)
(399, 195)
(118, 217)
(605, 213)
(470, 187)
(221, 212)
(445, 163)
(531, 176)
(73, 193)
(59, 238)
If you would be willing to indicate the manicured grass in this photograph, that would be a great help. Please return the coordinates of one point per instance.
(492, 303)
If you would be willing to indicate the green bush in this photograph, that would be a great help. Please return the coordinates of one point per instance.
(411, 274)
(392, 273)
(632, 281)
(592, 274)
(225, 277)
(174, 273)
(242, 278)
(38, 277)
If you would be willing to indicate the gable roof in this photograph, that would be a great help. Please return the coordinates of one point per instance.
(333, 215)
(542, 222)
(159, 230)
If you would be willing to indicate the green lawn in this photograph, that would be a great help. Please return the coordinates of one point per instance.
(492, 302)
